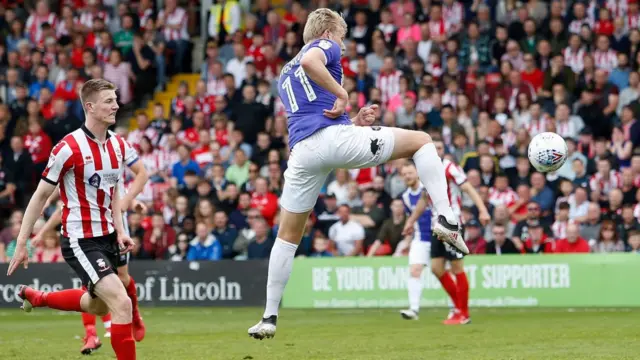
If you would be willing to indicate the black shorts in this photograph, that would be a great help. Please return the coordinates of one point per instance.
(92, 258)
(440, 249)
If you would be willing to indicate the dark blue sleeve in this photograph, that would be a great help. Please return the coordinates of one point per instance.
(331, 50)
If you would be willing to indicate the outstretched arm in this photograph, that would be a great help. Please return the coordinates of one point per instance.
(484, 216)
(421, 206)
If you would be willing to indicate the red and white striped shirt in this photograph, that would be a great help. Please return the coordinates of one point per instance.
(538, 126)
(597, 183)
(177, 17)
(206, 104)
(575, 59)
(150, 161)
(166, 159)
(389, 84)
(559, 228)
(438, 28)
(455, 178)
(617, 8)
(633, 21)
(135, 137)
(145, 16)
(86, 18)
(566, 129)
(453, 15)
(34, 26)
(606, 60)
(88, 172)
(506, 197)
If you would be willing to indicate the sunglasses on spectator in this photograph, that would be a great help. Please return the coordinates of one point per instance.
(533, 208)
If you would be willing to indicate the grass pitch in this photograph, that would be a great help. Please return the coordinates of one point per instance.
(212, 334)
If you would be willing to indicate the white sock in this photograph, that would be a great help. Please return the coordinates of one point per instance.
(414, 285)
(280, 265)
(431, 173)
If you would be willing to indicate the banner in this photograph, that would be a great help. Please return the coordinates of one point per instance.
(159, 283)
(590, 280)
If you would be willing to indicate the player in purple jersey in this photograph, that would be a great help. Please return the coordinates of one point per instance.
(323, 138)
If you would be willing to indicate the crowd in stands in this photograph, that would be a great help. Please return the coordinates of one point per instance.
(483, 77)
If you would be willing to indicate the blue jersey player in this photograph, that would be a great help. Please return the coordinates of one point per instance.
(323, 138)
(420, 247)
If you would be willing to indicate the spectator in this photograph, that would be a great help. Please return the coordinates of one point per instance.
(120, 73)
(50, 252)
(179, 251)
(573, 243)
(321, 247)
(172, 20)
(561, 222)
(542, 194)
(264, 200)
(262, 242)
(347, 235)
(390, 234)
(238, 173)
(590, 228)
(608, 239)
(225, 233)
(537, 241)
(204, 246)
(158, 238)
(500, 217)
(184, 165)
(501, 243)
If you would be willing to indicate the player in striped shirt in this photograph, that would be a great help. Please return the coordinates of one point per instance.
(441, 252)
(91, 342)
(88, 164)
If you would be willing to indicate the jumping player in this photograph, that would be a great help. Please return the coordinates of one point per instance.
(88, 164)
(458, 290)
(91, 341)
(323, 138)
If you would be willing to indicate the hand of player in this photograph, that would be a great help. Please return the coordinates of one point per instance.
(20, 256)
(408, 227)
(338, 109)
(484, 218)
(366, 116)
(125, 244)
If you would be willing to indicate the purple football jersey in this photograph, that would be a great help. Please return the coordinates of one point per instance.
(305, 100)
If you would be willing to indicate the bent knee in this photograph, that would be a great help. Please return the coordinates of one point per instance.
(422, 137)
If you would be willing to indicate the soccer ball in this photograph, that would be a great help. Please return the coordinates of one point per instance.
(547, 152)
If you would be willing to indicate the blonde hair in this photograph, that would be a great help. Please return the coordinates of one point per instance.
(93, 87)
(321, 20)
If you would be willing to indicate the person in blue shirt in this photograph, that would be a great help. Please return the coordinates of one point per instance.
(260, 246)
(42, 81)
(542, 194)
(204, 246)
(185, 163)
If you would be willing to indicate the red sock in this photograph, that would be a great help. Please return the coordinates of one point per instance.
(106, 320)
(450, 287)
(133, 295)
(463, 293)
(67, 300)
(89, 322)
(122, 342)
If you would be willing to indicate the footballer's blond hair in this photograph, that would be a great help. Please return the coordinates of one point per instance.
(321, 20)
(92, 88)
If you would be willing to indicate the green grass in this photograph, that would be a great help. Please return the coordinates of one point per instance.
(206, 333)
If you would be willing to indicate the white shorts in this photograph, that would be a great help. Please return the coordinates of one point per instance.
(419, 252)
(334, 147)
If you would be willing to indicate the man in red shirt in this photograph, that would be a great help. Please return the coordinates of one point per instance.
(538, 241)
(573, 243)
(476, 242)
(264, 201)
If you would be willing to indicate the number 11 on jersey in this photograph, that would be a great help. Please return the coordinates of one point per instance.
(287, 86)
